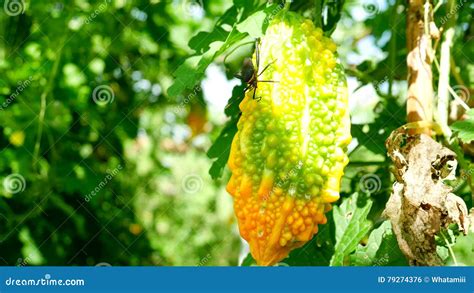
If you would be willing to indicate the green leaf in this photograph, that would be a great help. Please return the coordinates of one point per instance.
(246, 7)
(192, 70)
(352, 226)
(201, 42)
(256, 24)
(381, 249)
(463, 251)
(232, 109)
(334, 9)
(242, 3)
(220, 149)
(465, 129)
(253, 25)
(210, 45)
(248, 261)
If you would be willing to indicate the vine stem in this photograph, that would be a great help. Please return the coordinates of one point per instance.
(444, 69)
(43, 98)
(461, 102)
(392, 47)
(420, 79)
(455, 72)
(448, 244)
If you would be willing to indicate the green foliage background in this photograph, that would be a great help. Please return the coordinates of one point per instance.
(157, 204)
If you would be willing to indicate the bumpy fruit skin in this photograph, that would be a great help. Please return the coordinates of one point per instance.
(288, 155)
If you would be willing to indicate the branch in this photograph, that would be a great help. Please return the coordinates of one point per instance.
(419, 59)
(393, 47)
(444, 68)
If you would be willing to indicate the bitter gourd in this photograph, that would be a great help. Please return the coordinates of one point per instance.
(288, 155)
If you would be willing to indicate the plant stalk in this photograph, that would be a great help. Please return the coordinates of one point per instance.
(443, 84)
(419, 59)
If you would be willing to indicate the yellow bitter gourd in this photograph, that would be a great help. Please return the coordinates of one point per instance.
(288, 155)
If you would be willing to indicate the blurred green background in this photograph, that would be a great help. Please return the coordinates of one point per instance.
(101, 167)
(82, 89)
